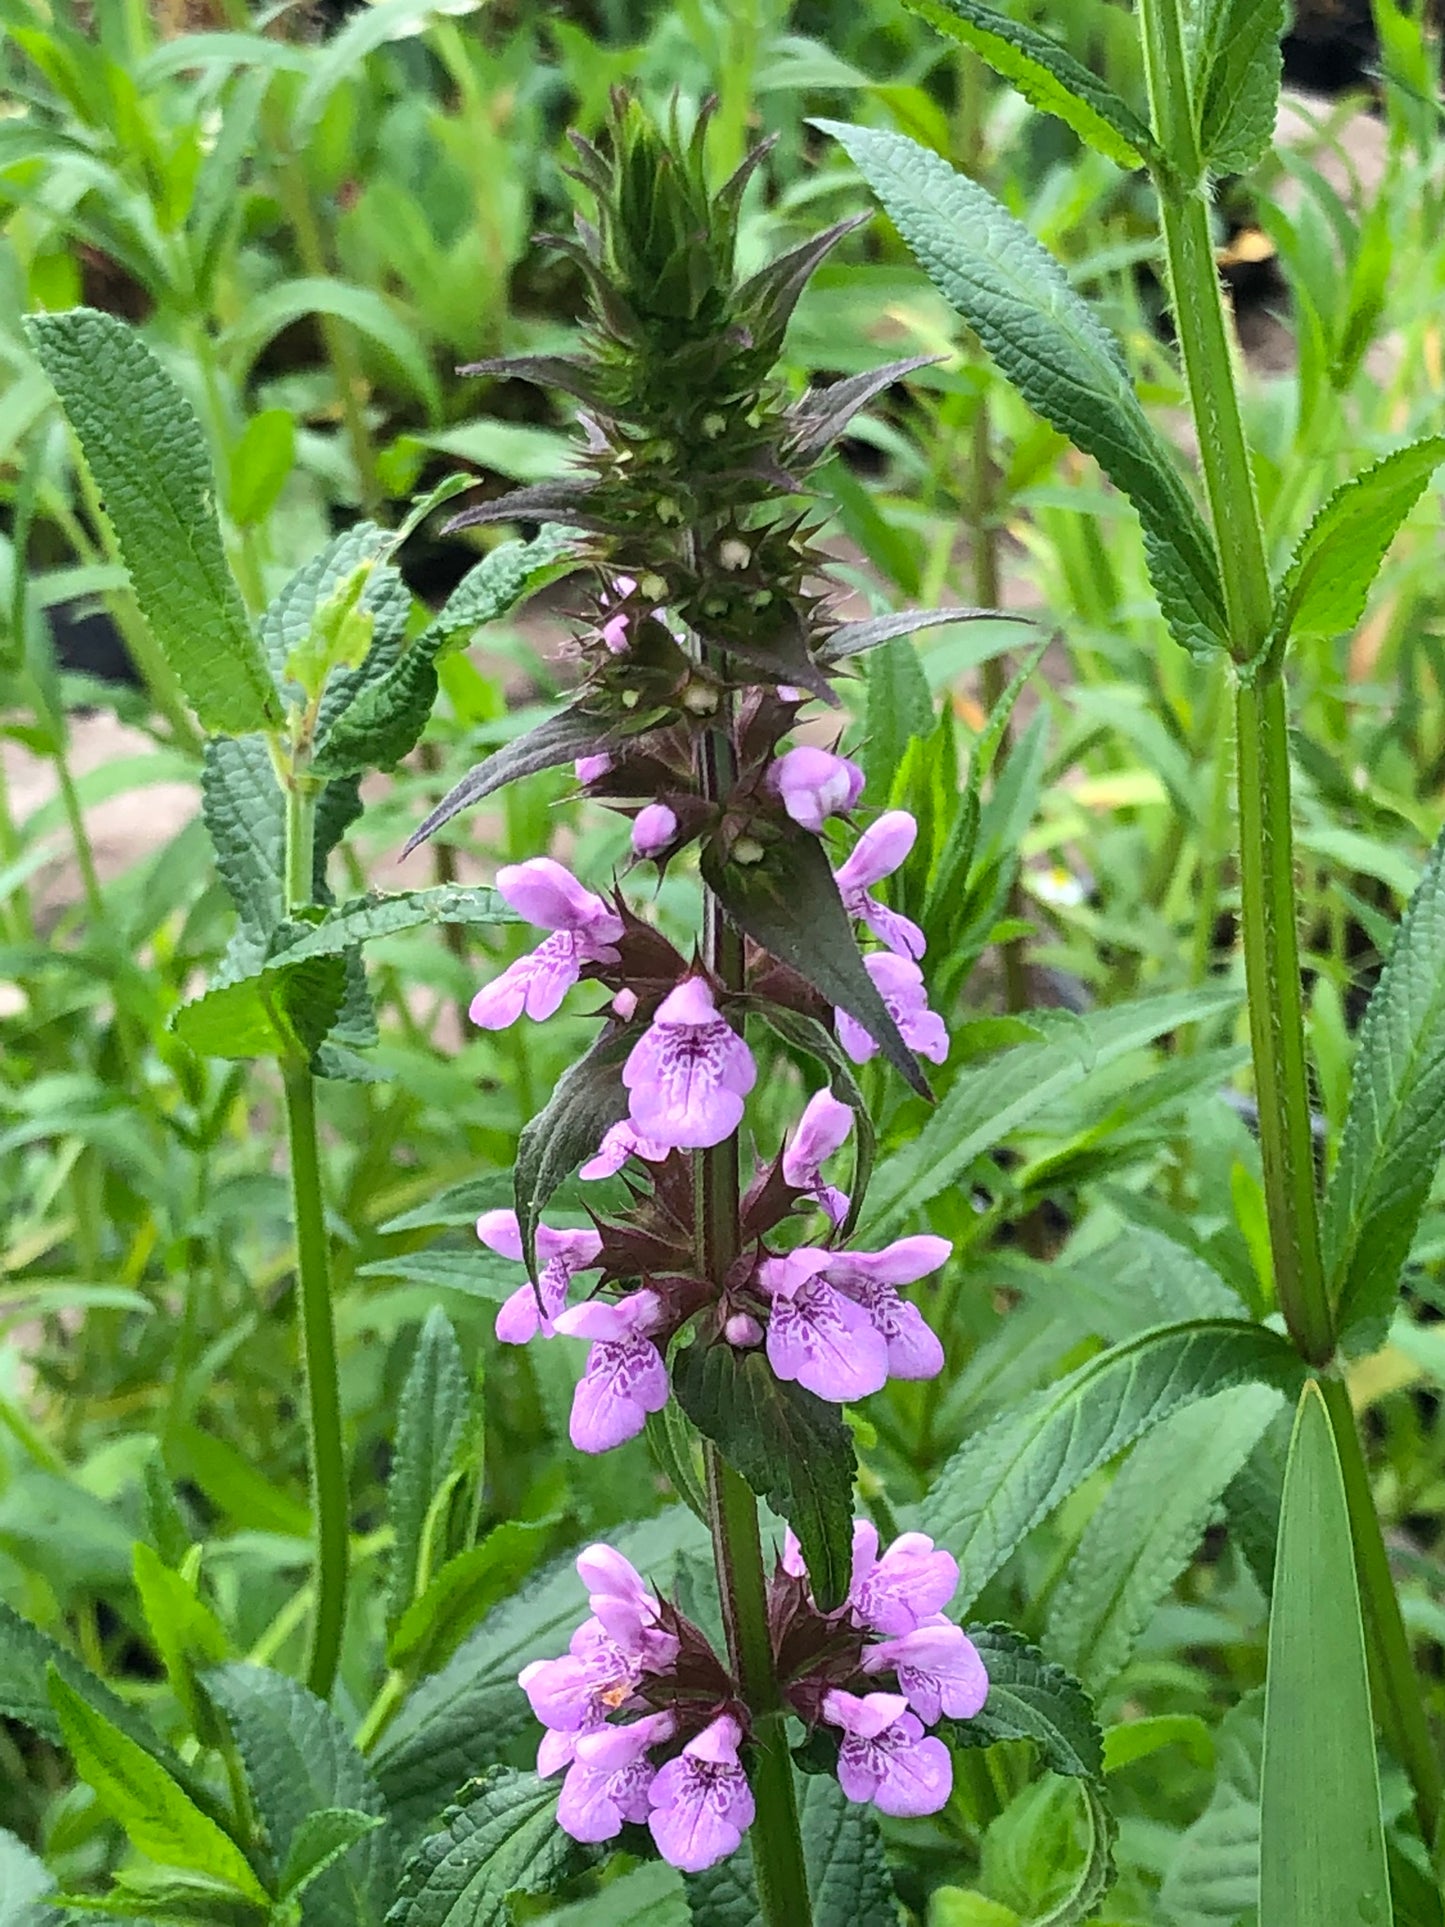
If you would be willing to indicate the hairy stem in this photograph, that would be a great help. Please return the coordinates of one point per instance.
(1267, 883)
(777, 1843)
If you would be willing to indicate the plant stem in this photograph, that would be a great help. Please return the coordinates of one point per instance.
(329, 1493)
(1267, 884)
(777, 1842)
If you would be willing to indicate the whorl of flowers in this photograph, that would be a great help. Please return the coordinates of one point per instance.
(648, 1722)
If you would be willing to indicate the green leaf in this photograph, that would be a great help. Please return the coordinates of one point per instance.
(586, 1101)
(1328, 581)
(1049, 344)
(505, 576)
(652, 1895)
(345, 51)
(501, 1838)
(245, 817)
(848, 1877)
(432, 1423)
(144, 446)
(472, 1711)
(560, 739)
(1137, 1739)
(1322, 1845)
(464, 1591)
(854, 638)
(24, 1881)
(26, 1658)
(134, 1788)
(265, 315)
(987, 1102)
(1148, 1527)
(900, 708)
(299, 1762)
(1031, 1698)
(793, 1449)
(1395, 1122)
(292, 613)
(1212, 1879)
(260, 463)
(997, 1487)
(1238, 66)
(789, 903)
(319, 1842)
(183, 1629)
(1047, 76)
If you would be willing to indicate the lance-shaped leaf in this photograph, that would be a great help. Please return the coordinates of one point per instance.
(245, 815)
(793, 1449)
(767, 301)
(1237, 70)
(432, 1421)
(1321, 1841)
(501, 1838)
(790, 904)
(853, 638)
(588, 1100)
(1328, 581)
(817, 420)
(1063, 361)
(997, 1487)
(145, 448)
(570, 733)
(569, 373)
(319, 1842)
(566, 502)
(1048, 77)
(1395, 1124)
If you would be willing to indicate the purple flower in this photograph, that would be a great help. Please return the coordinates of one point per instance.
(609, 1780)
(814, 784)
(625, 1377)
(653, 828)
(743, 1331)
(877, 854)
(900, 984)
(589, 768)
(625, 1606)
(576, 1692)
(584, 931)
(885, 1756)
(906, 1588)
(614, 630)
(689, 1072)
(815, 1334)
(701, 1802)
(938, 1667)
(871, 1279)
(619, 1144)
(559, 1255)
(821, 1130)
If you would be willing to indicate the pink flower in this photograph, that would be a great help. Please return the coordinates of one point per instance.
(743, 1331)
(689, 1072)
(610, 1778)
(578, 1691)
(906, 1588)
(653, 828)
(816, 1335)
(900, 984)
(619, 1144)
(877, 854)
(885, 1756)
(614, 630)
(814, 784)
(871, 1278)
(624, 1604)
(938, 1667)
(584, 931)
(701, 1802)
(560, 1254)
(589, 768)
(822, 1128)
(625, 1377)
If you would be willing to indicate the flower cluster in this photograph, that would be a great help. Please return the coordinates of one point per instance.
(649, 1725)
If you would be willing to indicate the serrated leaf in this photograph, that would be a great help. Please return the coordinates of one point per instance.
(299, 1761)
(1033, 1698)
(501, 1838)
(1395, 1122)
(289, 616)
(27, 1655)
(1050, 345)
(1326, 586)
(464, 1591)
(24, 1883)
(432, 1422)
(820, 416)
(588, 1099)
(1048, 77)
(848, 1879)
(985, 1104)
(245, 817)
(275, 1012)
(319, 1842)
(135, 1789)
(900, 708)
(504, 577)
(1322, 1844)
(1236, 81)
(652, 1895)
(144, 446)
(793, 1449)
(790, 904)
(1147, 1528)
(1212, 1879)
(472, 1712)
(997, 1487)
(568, 734)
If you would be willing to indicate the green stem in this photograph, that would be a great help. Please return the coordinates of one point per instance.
(776, 1838)
(329, 1494)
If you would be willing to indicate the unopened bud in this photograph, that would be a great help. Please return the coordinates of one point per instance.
(653, 828)
(700, 699)
(734, 553)
(653, 586)
(624, 1004)
(667, 510)
(743, 1331)
(714, 425)
(748, 851)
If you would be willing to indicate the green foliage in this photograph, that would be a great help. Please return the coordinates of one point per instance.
(848, 1879)
(501, 1838)
(432, 1423)
(1322, 1842)
(1235, 80)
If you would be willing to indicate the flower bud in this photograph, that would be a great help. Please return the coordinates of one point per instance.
(653, 828)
